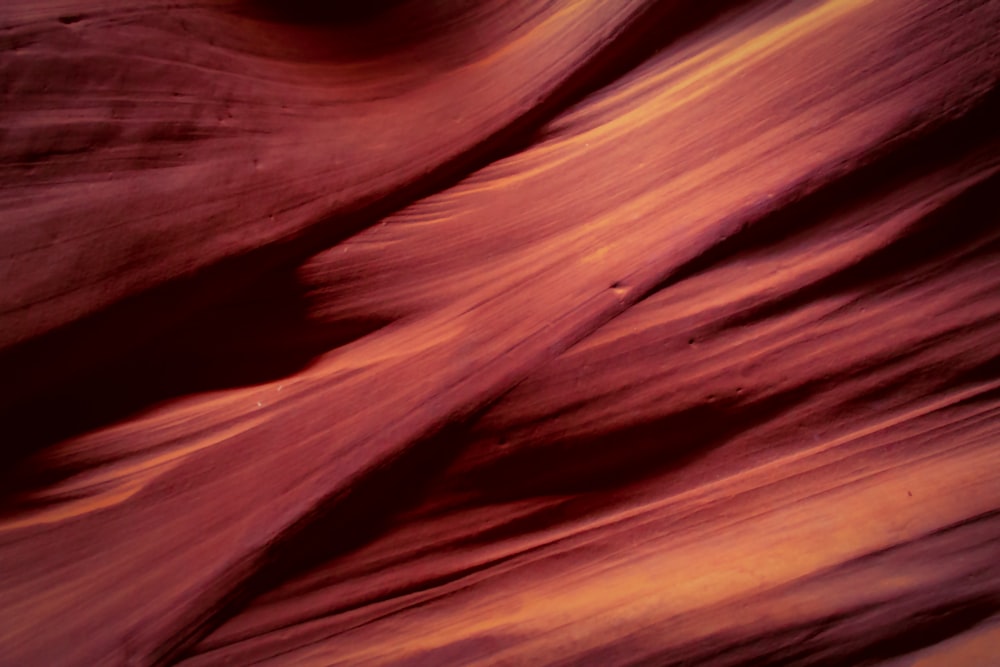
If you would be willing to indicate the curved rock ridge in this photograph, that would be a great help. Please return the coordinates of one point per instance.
(575, 332)
(277, 137)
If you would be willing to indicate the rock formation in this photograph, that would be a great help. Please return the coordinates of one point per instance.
(504, 332)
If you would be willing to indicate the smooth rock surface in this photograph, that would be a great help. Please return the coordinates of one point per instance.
(577, 332)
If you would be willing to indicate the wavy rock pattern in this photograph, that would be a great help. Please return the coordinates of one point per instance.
(575, 332)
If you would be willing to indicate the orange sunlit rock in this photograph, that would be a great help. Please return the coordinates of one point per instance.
(584, 332)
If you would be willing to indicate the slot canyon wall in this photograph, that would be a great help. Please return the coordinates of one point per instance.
(506, 332)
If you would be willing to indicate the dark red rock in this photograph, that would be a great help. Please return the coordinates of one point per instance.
(582, 333)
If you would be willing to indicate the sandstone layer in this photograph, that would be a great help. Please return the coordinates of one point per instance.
(430, 333)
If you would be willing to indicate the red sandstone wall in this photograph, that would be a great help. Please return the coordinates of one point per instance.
(575, 332)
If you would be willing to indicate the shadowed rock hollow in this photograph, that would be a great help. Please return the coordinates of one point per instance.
(445, 332)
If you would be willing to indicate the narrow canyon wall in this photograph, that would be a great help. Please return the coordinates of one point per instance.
(435, 332)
